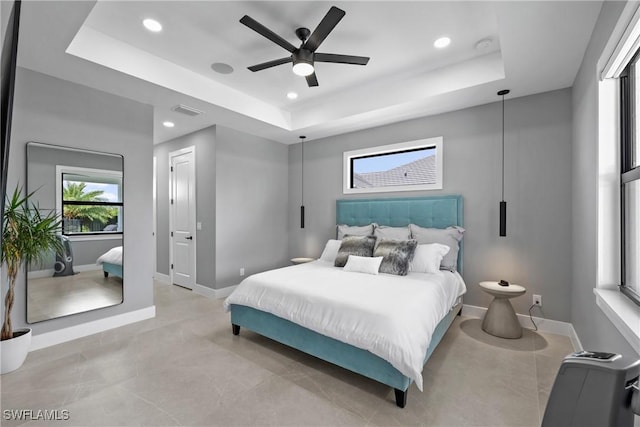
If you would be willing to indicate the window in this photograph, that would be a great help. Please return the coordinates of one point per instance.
(630, 179)
(90, 201)
(408, 166)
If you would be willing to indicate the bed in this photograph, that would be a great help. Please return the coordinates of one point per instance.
(354, 352)
(111, 262)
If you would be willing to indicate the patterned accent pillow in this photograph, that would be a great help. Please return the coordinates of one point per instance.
(397, 254)
(354, 245)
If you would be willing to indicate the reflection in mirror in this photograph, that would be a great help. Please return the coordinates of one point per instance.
(85, 188)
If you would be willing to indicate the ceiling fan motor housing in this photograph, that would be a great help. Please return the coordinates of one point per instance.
(303, 55)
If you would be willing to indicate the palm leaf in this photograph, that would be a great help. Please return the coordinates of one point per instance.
(28, 236)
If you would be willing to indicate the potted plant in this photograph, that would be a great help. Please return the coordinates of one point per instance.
(28, 236)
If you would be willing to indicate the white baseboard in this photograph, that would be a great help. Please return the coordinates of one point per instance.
(575, 340)
(86, 267)
(60, 336)
(213, 293)
(162, 278)
(544, 325)
(205, 291)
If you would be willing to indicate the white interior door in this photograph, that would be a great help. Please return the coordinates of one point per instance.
(183, 217)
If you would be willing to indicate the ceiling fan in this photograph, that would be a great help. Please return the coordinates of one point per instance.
(304, 57)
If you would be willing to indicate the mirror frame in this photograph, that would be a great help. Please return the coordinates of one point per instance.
(92, 237)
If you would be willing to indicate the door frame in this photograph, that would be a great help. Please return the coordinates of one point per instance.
(155, 216)
(194, 263)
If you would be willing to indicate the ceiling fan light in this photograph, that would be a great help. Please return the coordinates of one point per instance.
(303, 62)
(303, 69)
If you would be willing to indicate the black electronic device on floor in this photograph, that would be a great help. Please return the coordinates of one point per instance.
(64, 259)
(594, 389)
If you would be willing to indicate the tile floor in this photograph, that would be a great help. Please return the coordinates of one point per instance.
(185, 368)
(51, 297)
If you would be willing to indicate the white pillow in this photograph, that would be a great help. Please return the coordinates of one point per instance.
(427, 258)
(330, 251)
(363, 264)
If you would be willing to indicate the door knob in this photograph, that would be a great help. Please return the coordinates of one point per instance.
(189, 238)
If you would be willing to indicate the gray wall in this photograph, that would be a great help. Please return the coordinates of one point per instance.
(538, 192)
(251, 205)
(593, 327)
(58, 112)
(241, 201)
(205, 142)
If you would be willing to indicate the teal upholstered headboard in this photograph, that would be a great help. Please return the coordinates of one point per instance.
(431, 212)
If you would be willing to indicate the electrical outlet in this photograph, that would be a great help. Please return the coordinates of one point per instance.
(242, 271)
(537, 300)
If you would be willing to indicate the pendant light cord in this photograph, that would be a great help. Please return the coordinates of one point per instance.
(503, 147)
(302, 163)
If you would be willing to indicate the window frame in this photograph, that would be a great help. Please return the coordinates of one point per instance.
(628, 173)
(61, 170)
(427, 143)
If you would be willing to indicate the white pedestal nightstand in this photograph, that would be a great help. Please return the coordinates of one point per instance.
(301, 260)
(500, 319)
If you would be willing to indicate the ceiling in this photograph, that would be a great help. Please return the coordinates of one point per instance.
(533, 47)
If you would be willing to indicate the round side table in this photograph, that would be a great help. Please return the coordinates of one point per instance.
(500, 319)
(297, 261)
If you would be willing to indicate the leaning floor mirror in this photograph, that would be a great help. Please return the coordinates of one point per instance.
(85, 188)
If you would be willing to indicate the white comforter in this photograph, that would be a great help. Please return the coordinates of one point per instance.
(112, 256)
(393, 317)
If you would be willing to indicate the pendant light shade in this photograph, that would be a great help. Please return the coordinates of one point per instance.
(503, 204)
(302, 183)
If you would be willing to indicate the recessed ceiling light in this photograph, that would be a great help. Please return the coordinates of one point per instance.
(152, 25)
(222, 68)
(442, 42)
(292, 95)
(168, 124)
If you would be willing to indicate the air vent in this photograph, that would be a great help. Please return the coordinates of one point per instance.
(189, 111)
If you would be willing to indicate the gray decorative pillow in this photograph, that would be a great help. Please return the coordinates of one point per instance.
(396, 233)
(354, 245)
(449, 236)
(397, 254)
(355, 230)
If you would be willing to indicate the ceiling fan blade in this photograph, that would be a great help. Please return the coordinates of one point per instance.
(323, 29)
(312, 80)
(269, 64)
(264, 31)
(340, 59)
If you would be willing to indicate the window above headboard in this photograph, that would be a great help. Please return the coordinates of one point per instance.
(407, 166)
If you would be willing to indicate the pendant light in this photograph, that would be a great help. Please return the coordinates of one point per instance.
(503, 204)
(302, 185)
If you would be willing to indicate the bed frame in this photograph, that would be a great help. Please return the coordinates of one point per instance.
(434, 212)
(114, 269)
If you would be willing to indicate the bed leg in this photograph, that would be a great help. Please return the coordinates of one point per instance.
(106, 274)
(401, 397)
(235, 329)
